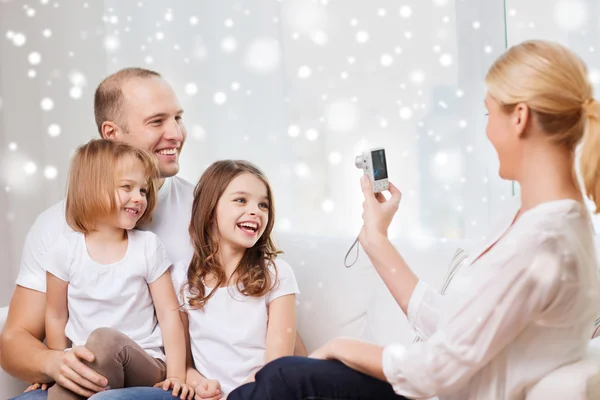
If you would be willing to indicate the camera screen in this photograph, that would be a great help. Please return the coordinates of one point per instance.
(379, 165)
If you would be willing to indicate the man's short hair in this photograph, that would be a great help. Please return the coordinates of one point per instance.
(108, 99)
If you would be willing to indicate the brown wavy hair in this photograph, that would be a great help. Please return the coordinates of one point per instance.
(251, 276)
(93, 182)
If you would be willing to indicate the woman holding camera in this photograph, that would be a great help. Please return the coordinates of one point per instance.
(533, 289)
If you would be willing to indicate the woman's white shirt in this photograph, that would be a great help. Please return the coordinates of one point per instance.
(510, 316)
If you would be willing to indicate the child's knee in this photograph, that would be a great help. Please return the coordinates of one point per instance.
(105, 342)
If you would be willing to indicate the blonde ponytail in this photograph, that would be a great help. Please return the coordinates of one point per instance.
(590, 152)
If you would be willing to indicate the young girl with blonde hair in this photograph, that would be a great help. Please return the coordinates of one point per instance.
(107, 278)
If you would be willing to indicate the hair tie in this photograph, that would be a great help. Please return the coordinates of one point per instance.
(591, 108)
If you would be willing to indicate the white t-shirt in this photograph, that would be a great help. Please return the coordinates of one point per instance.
(228, 337)
(170, 222)
(115, 295)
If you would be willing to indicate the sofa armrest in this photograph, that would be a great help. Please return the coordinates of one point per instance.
(576, 381)
(9, 386)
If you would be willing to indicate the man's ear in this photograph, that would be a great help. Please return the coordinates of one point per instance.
(110, 130)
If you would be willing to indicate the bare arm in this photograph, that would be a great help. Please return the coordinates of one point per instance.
(23, 354)
(358, 355)
(192, 376)
(281, 329)
(57, 312)
(167, 312)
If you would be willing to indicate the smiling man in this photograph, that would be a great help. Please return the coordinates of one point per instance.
(136, 106)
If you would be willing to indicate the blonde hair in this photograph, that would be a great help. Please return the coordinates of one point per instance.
(109, 99)
(553, 82)
(93, 182)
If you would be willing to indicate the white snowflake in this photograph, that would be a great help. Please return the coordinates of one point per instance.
(220, 98)
(446, 60)
(335, 158)
(198, 132)
(312, 134)
(229, 44)
(50, 172)
(111, 43)
(47, 104)
(75, 92)
(342, 116)
(54, 130)
(30, 168)
(405, 11)
(294, 131)
(19, 39)
(571, 15)
(304, 72)
(302, 170)
(263, 55)
(406, 113)
(362, 37)
(386, 60)
(327, 206)
(191, 89)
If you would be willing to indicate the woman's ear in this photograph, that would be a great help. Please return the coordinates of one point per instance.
(521, 117)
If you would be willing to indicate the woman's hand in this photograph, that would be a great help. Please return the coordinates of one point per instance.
(324, 352)
(378, 212)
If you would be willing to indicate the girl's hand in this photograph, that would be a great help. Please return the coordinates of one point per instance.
(208, 389)
(186, 391)
(377, 211)
(36, 386)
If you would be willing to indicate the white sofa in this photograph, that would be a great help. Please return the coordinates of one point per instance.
(337, 301)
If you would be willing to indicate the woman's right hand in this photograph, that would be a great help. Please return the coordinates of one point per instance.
(208, 389)
(378, 212)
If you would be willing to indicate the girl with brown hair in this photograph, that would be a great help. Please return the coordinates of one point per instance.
(238, 299)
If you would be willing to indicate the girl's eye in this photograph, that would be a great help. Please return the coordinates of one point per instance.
(128, 187)
(264, 205)
(240, 200)
(144, 192)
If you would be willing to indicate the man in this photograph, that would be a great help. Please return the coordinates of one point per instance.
(136, 106)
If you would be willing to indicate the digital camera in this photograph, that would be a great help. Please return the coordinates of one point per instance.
(374, 165)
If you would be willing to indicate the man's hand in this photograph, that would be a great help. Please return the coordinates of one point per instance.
(70, 372)
(208, 389)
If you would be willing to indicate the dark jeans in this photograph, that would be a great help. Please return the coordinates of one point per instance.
(299, 378)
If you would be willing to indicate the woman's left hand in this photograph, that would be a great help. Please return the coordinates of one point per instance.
(324, 352)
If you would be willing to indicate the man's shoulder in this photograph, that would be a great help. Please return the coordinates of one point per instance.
(52, 220)
(182, 185)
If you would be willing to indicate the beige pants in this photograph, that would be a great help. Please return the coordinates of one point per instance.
(120, 360)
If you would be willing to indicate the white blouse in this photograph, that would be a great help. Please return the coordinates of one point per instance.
(521, 310)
